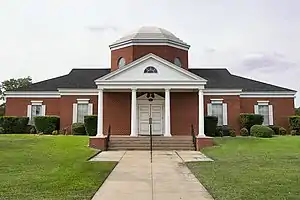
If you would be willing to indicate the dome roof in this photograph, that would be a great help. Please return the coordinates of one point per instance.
(150, 34)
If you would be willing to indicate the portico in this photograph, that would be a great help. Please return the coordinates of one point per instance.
(151, 94)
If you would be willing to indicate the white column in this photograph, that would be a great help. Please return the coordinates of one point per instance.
(100, 114)
(133, 113)
(201, 114)
(167, 113)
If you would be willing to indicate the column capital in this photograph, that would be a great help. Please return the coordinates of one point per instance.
(133, 89)
(167, 89)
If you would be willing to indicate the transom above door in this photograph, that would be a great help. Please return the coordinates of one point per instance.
(155, 111)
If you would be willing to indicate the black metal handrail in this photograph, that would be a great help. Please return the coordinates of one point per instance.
(108, 137)
(193, 136)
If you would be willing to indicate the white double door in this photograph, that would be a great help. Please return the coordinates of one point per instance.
(151, 111)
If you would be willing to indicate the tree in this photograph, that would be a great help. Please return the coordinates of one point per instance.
(297, 110)
(13, 84)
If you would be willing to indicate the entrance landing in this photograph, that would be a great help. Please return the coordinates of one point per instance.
(135, 178)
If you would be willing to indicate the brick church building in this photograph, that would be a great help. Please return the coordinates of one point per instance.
(150, 76)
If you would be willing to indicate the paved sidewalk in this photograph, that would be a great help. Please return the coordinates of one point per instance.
(134, 178)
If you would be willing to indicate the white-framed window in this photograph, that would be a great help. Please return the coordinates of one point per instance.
(36, 108)
(177, 62)
(121, 62)
(80, 109)
(150, 70)
(218, 108)
(266, 110)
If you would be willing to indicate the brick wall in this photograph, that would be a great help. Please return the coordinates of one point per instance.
(233, 109)
(117, 112)
(18, 106)
(132, 53)
(184, 112)
(66, 107)
(282, 108)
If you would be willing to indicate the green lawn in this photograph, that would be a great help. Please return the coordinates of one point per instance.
(252, 168)
(49, 167)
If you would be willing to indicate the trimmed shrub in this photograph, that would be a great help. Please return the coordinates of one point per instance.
(11, 124)
(275, 129)
(90, 124)
(294, 122)
(78, 129)
(282, 131)
(244, 132)
(294, 132)
(223, 131)
(30, 129)
(261, 131)
(247, 120)
(46, 124)
(219, 131)
(232, 132)
(210, 125)
(2, 130)
(56, 132)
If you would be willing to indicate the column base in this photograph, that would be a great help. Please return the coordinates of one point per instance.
(98, 142)
(204, 141)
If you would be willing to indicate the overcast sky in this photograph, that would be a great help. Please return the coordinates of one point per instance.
(47, 38)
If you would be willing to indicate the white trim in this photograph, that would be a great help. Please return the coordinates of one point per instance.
(83, 101)
(225, 114)
(167, 113)
(37, 103)
(43, 110)
(130, 43)
(262, 103)
(268, 94)
(222, 92)
(209, 109)
(100, 114)
(29, 111)
(216, 101)
(271, 116)
(133, 115)
(144, 58)
(77, 92)
(256, 109)
(90, 109)
(148, 85)
(31, 94)
(201, 132)
(74, 113)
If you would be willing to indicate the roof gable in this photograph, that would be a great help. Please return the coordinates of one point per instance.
(166, 71)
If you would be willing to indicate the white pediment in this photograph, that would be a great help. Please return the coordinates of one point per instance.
(166, 71)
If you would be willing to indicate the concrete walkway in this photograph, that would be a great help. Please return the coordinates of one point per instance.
(135, 178)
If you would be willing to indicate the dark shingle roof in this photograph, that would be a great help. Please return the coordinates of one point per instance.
(216, 79)
(223, 79)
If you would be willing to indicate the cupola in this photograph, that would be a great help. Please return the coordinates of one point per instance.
(147, 40)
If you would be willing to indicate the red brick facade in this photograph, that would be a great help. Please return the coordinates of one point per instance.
(184, 110)
(132, 53)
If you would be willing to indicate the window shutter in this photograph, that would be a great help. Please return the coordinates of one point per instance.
(225, 114)
(209, 109)
(90, 109)
(29, 111)
(43, 110)
(74, 112)
(271, 115)
(256, 109)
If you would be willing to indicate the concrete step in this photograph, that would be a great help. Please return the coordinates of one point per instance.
(154, 148)
(148, 142)
(143, 143)
(148, 145)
